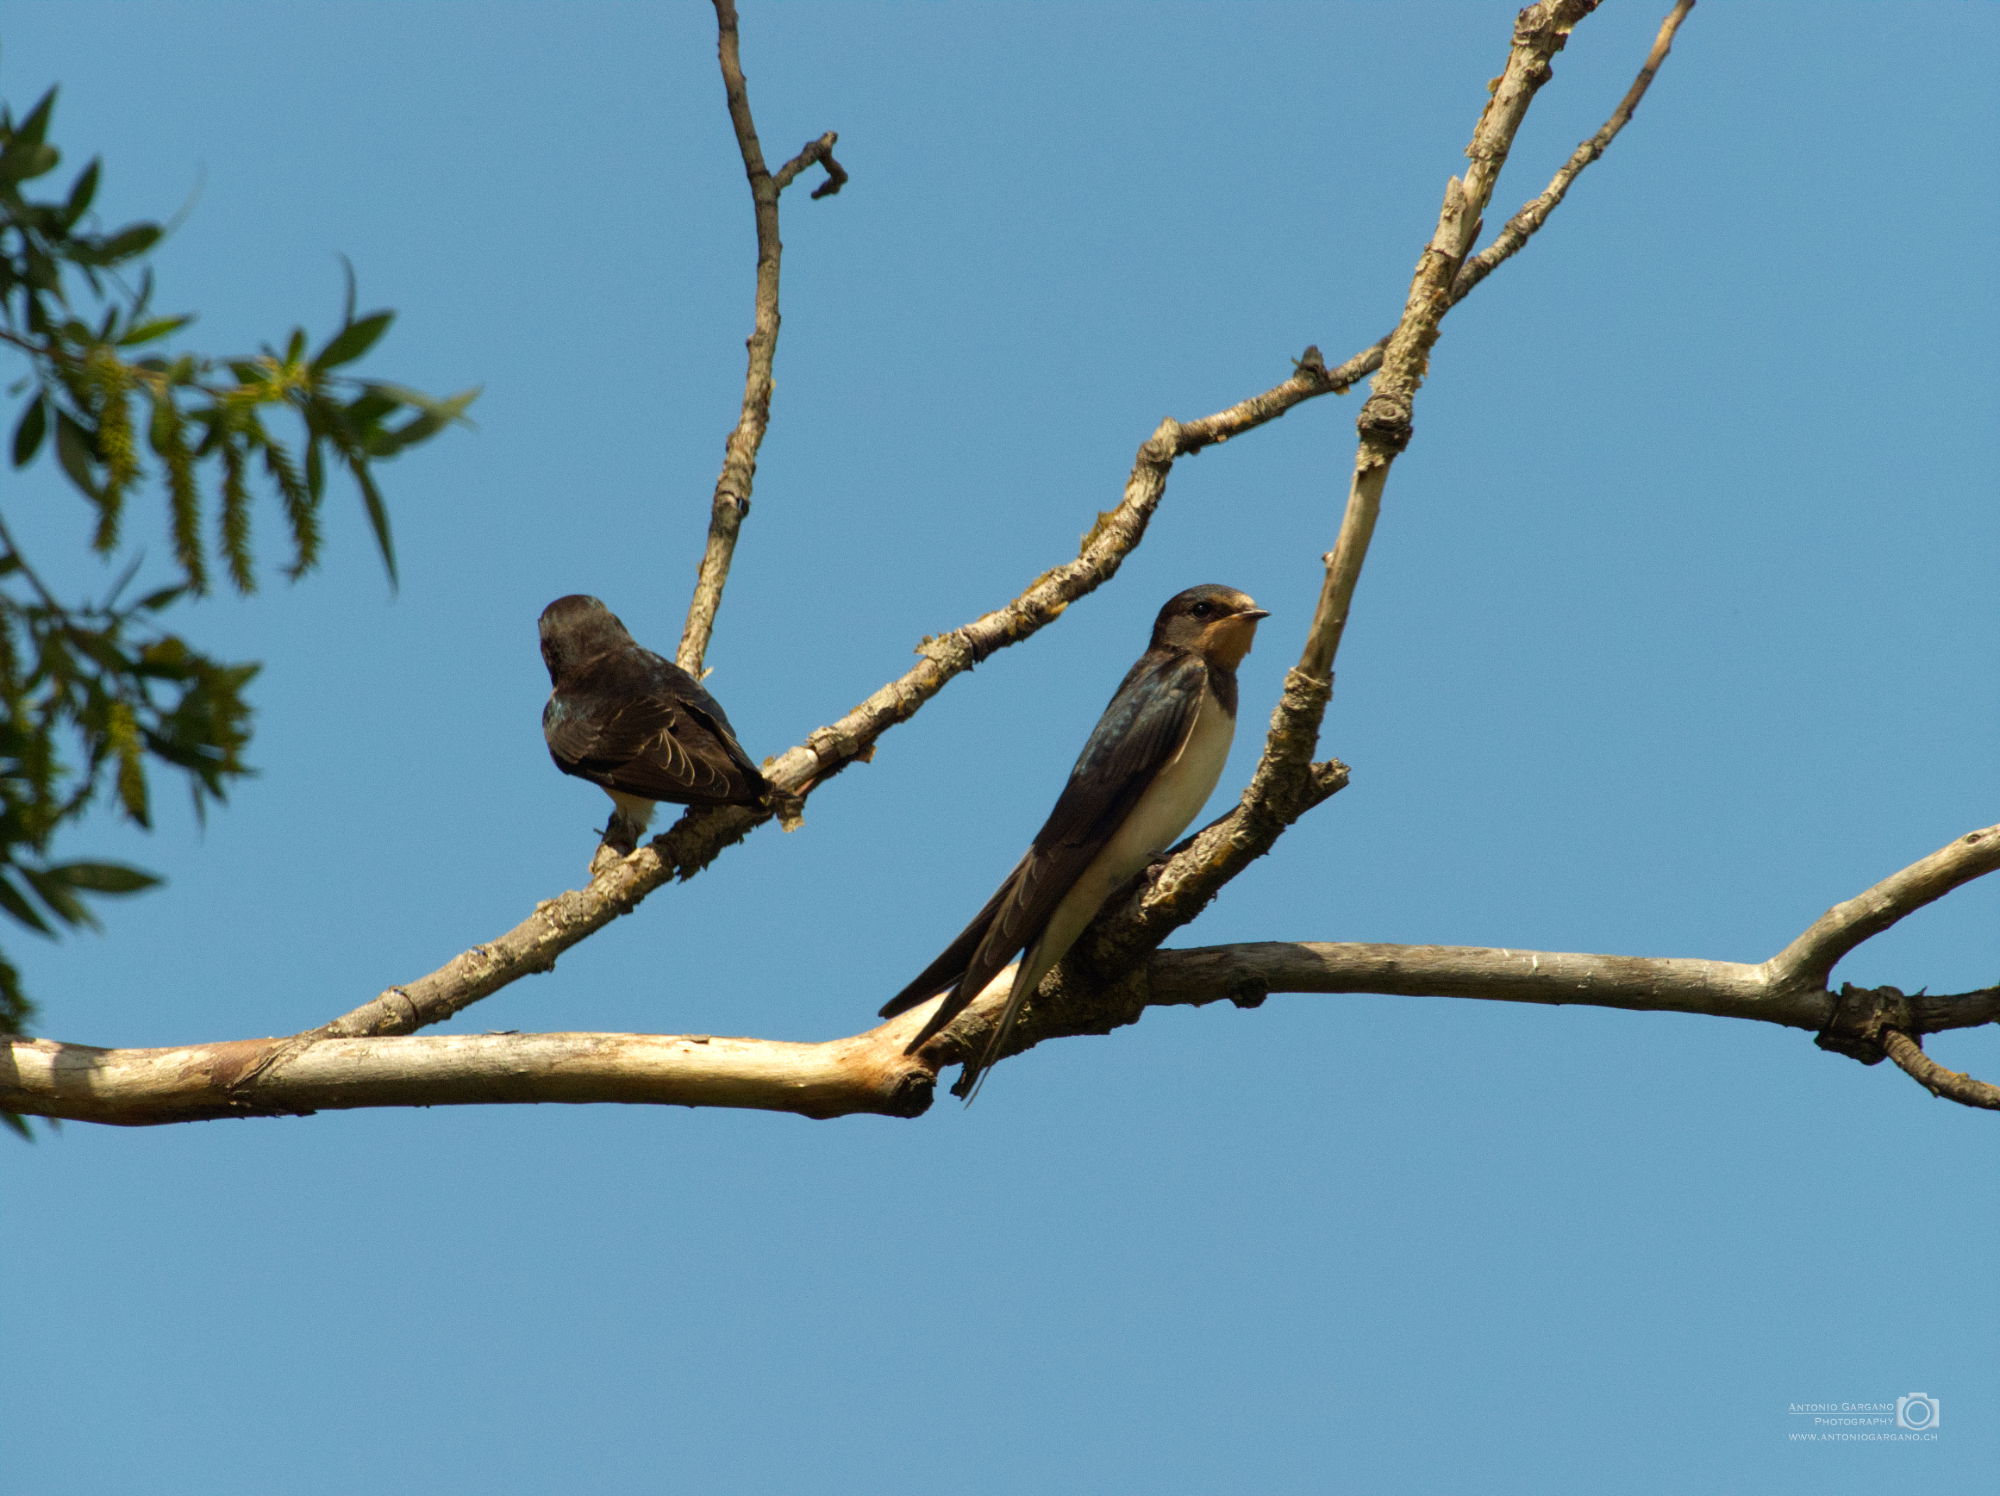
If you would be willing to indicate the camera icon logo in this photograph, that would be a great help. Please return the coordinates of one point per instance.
(1917, 1411)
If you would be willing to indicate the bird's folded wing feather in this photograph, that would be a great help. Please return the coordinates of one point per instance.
(665, 743)
(951, 962)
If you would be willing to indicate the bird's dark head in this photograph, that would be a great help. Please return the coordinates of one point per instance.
(1220, 622)
(577, 629)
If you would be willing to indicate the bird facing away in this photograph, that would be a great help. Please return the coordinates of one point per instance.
(637, 726)
(1149, 766)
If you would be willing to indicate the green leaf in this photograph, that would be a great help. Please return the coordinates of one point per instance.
(368, 407)
(67, 906)
(378, 515)
(437, 414)
(153, 602)
(40, 272)
(81, 195)
(34, 425)
(401, 394)
(104, 877)
(22, 161)
(354, 340)
(101, 647)
(73, 451)
(34, 127)
(149, 332)
(133, 240)
(14, 903)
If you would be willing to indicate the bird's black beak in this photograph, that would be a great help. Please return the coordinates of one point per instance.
(1254, 613)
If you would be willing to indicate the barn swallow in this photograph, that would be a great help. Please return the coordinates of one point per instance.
(1149, 766)
(637, 726)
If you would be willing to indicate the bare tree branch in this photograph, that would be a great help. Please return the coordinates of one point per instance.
(1532, 215)
(1385, 419)
(1809, 960)
(739, 457)
(821, 152)
(325, 1067)
(1933, 1077)
(1286, 784)
(868, 1072)
(1535, 212)
(199, 1082)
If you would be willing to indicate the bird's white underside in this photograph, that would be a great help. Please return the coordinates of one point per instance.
(639, 812)
(1164, 811)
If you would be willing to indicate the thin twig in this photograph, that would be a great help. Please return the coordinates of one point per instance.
(1951, 1085)
(1535, 212)
(1532, 215)
(821, 151)
(731, 502)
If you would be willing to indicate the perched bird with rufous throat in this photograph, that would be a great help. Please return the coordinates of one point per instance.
(1148, 768)
(635, 724)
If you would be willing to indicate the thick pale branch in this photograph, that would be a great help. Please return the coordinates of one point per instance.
(276, 1077)
(1245, 974)
(869, 1072)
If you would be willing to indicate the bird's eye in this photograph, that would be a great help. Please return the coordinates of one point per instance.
(1202, 610)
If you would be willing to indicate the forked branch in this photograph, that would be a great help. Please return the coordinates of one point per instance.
(366, 1058)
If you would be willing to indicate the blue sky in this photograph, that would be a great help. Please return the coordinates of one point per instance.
(1678, 628)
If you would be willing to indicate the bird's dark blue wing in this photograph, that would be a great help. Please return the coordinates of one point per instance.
(1148, 719)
